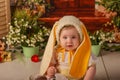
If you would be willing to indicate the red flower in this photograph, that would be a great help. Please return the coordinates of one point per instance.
(35, 58)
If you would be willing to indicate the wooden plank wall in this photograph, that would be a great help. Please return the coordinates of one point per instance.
(83, 9)
(4, 17)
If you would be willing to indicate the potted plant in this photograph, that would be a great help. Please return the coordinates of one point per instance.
(26, 31)
(98, 38)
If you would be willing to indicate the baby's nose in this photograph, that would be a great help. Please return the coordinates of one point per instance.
(69, 40)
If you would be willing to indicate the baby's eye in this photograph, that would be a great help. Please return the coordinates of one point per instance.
(64, 37)
(73, 37)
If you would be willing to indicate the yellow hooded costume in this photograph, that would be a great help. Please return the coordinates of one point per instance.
(81, 56)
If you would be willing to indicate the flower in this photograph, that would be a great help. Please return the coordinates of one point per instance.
(99, 37)
(26, 30)
(36, 7)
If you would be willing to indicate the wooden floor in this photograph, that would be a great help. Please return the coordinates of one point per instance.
(108, 68)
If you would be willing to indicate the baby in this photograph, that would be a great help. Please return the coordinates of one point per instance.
(69, 50)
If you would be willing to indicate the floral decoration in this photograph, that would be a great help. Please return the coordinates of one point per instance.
(26, 30)
(99, 37)
(5, 56)
(36, 7)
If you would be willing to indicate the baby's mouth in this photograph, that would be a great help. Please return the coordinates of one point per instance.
(69, 45)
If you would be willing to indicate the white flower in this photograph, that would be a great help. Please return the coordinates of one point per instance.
(17, 30)
(99, 37)
(26, 32)
(28, 41)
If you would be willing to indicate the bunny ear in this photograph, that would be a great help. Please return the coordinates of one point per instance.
(48, 51)
(81, 57)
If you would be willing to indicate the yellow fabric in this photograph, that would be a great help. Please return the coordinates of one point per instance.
(81, 57)
(70, 57)
(48, 51)
(65, 72)
(62, 50)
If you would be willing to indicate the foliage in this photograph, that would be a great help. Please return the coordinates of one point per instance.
(99, 37)
(113, 5)
(111, 47)
(26, 30)
(37, 7)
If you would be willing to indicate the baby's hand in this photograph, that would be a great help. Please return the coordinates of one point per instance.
(51, 71)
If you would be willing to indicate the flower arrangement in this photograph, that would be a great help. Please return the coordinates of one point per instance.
(99, 37)
(36, 7)
(26, 30)
(4, 55)
(113, 9)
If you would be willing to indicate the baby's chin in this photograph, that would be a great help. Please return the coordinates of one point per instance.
(71, 49)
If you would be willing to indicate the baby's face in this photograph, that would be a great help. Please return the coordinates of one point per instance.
(69, 38)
